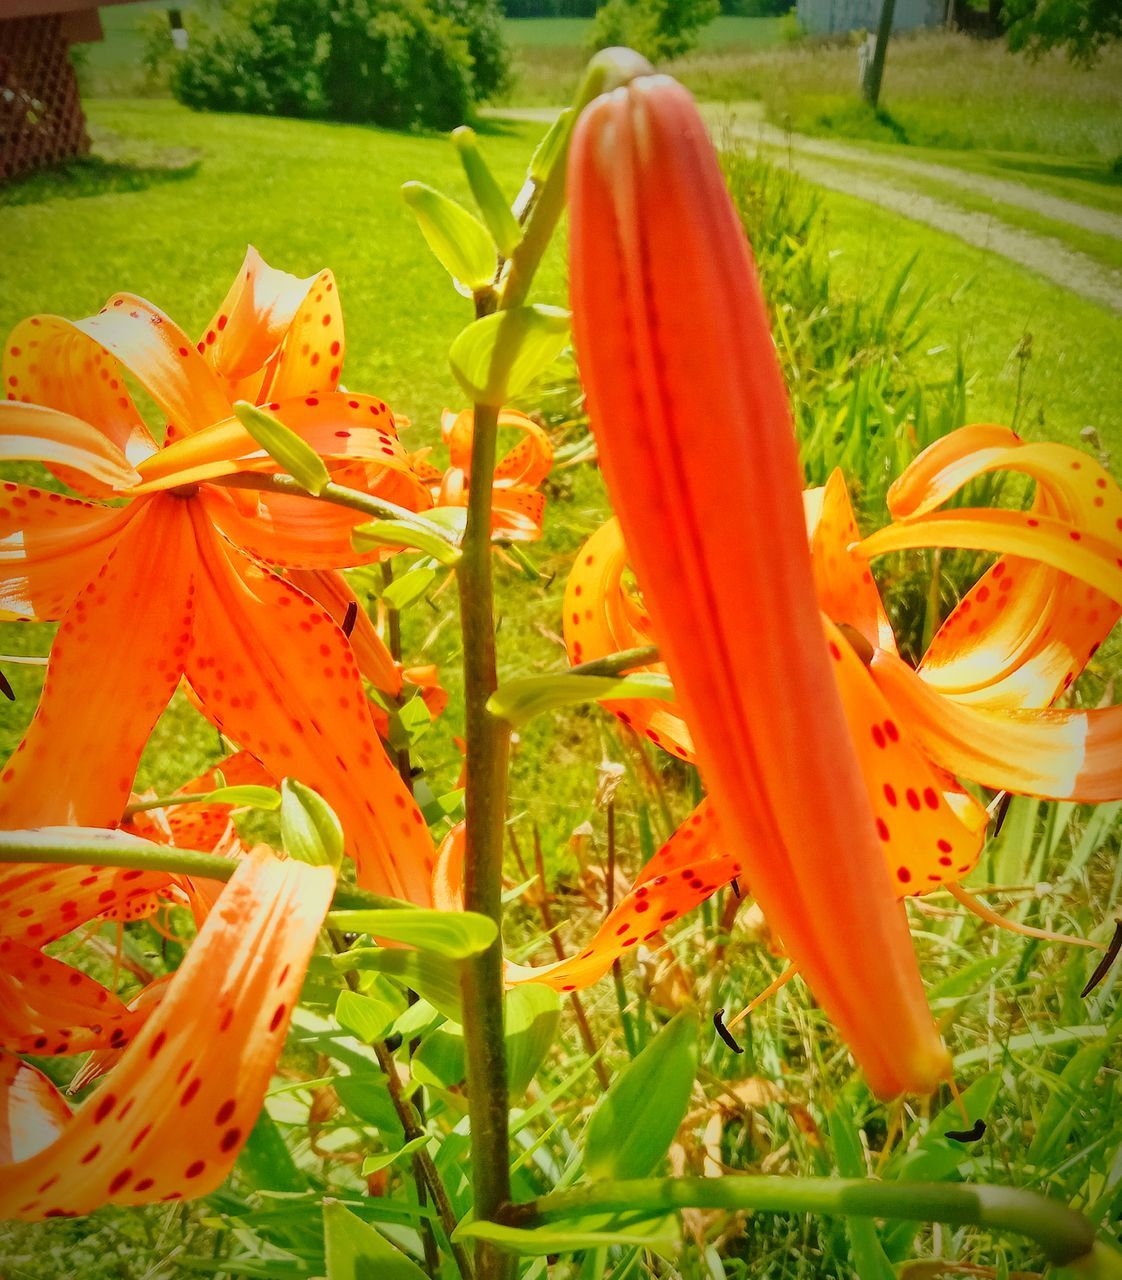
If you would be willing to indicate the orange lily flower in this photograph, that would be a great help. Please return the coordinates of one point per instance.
(175, 583)
(517, 505)
(174, 1112)
(697, 446)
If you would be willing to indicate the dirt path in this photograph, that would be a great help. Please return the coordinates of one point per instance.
(1046, 255)
(1099, 221)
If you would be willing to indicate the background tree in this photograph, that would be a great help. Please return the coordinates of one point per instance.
(1080, 27)
(658, 29)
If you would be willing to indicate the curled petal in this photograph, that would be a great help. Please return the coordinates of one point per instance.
(50, 1008)
(54, 362)
(32, 432)
(40, 903)
(114, 665)
(601, 617)
(1092, 560)
(1053, 753)
(250, 325)
(277, 675)
(846, 589)
(1026, 628)
(311, 357)
(51, 546)
(529, 461)
(32, 1111)
(173, 1114)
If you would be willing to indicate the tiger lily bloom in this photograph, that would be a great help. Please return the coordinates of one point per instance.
(169, 1120)
(184, 579)
(517, 504)
(697, 446)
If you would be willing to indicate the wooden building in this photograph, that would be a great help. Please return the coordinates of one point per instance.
(41, 117)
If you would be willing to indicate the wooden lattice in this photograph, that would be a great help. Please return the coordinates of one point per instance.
(41, 120)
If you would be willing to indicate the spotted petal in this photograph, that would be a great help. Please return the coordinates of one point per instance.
(32, 432)
(274, 671)
(1053, 753)
(114, 665)
(172, 1116)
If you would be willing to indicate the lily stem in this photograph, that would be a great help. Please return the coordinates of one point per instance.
(425, 1172)
(488, 749)
(1061, 1233)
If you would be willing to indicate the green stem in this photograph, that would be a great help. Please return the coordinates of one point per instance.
(1063, 1234)
(156, 858)
(617, 664)
(339, 495)
(488, 749)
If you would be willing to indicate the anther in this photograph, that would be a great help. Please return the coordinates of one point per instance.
(723, 1031)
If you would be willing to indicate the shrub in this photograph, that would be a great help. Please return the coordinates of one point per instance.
(390, 62)
(659, 29)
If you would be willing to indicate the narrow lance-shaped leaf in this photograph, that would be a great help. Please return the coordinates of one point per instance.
(404, 533)
(455, 935)
(636, 1120)
(520, 700)
(285, 447)
(488, 194)
(459, 240)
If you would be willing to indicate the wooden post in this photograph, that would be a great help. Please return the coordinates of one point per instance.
(871, 85)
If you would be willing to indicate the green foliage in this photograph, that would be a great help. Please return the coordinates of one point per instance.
(390, 62)
(355, 1251)
(1082, 28)
(658, 29)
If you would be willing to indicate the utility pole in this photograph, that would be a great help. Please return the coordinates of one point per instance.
(871, 83)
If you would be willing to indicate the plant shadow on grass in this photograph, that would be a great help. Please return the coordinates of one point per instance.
(1104, 173)
(111, 169)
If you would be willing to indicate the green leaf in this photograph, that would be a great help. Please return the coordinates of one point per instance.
(266, 1162)
(635, 1122)
(500, 355)
(310, 830)
(659, 1234)
(521, 699)
(870, 1260)
(533, 1012)
(403, 533)
(355, 1251)
(431, 976)
(285, 447)
(440, 1059)
(493, 205)
(411, 586)
(383, 1159)
(551, 146)
(366, 1095)
(461, 243)
(455, 934)
(365, 1018)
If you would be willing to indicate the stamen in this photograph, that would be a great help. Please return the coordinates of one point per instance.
(349, 618)
(997, 808)
(6, 689)
(857, 642)
(735, 885)
(723, 1031)
(1103, 967)
(765, 994)
(990, 916)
